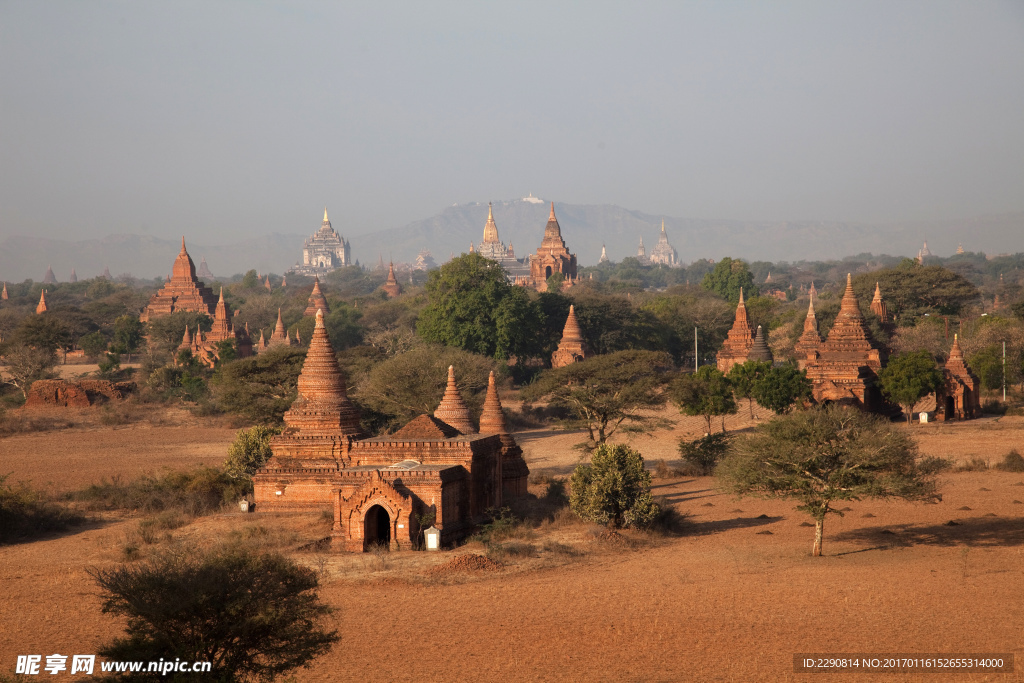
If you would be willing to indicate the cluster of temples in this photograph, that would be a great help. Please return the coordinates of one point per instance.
(184, 291)
(843, 366)
(438, 467)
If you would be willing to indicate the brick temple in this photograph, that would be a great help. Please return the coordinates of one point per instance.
(572, 348)
(552, 256)
(184, 291)
(437, 465)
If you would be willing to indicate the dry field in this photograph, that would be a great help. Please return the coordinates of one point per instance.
(731, 598)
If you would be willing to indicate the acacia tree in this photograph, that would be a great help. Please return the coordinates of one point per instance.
(608, 392)
(743, 377)
(614, 489)
(26, 364)
(824, 456)
(253, 617)
(908, 378)
(706, 392)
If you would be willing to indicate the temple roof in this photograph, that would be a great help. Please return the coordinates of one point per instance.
(317, 301)
(553, 233)
(572, 331)
(425, 427)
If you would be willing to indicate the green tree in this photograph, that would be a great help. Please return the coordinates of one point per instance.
(908, 378)
(260, 388)
(249, 451)
(129, 334)
(555, 283)
(412, 383)
(250, 280)
(987, 363)
(609, 392)
(728, 277)
(472, 306)
(42, 332)
(93, 344)
(167, 331)
(824, 456)
(781, 387)
(910, 290)
(744, 376)
(253, 616)
(614, 489)
(706, 392)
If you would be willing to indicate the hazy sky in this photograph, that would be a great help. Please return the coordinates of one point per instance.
(221, 119)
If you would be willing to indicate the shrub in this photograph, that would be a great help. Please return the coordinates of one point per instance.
(991, 407)
(1012, 462)
(255, 616)
(26, 513)
(615, 489)
(249, 452)
(973, 465)
(704, 453)
(195, 493)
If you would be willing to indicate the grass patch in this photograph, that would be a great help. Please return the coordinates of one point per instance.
(26, 513)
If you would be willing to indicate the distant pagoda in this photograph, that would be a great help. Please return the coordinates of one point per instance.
(324, 251)
(552, 256)
(663, 252)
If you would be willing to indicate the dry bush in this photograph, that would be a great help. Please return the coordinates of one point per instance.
(26, 513)
(972, 465)
(20, 422)
(194, 494)
(1012, 462)
(661, 469)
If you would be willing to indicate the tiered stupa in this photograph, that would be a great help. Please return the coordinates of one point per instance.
(806, 348)
(641, 252)
(74, 276)
(572, 348)
(41, 306)
(317, 301)
(391, 287)
(739, 341)
(49, 278)
(759, 351)
(280, 335)
(878, 306)
(322, 422)
(960, 395)
(3, 295)
(266, 284)
(552, 256)
(185, 292)
(106, 269)
(514, 471)
(453, 410)
(848, 360)
(604, 255)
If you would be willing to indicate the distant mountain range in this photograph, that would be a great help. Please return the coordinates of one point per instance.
(584, 227)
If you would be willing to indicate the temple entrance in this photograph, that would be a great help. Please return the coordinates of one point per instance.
(950, 408)
(547, 272)
(376, 528)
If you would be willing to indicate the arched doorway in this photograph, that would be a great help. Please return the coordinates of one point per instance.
(950, 408)
(547, 272)
(376, 527)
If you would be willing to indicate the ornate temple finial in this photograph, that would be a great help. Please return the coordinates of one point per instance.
(741, 296)
(551, 216)
(41, 306)
(326, 220)
(662, 226)
(183, 245)
(221, 294)
(187, 339)
(490, 213)
(319, 318)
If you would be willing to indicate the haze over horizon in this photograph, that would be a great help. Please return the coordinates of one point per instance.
(230, 120)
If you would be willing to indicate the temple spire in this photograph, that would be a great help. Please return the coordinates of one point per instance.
(41, 306)
(326, 220)
(492, 419)
(551, 216)
(453, 410)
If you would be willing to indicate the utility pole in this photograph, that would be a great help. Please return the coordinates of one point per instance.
(695, 356)
(1004, 372)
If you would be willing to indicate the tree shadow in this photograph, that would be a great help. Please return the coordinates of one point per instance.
(684, 496)
(975, 532)
(717, 526)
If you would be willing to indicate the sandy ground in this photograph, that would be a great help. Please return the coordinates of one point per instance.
(733, 598)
